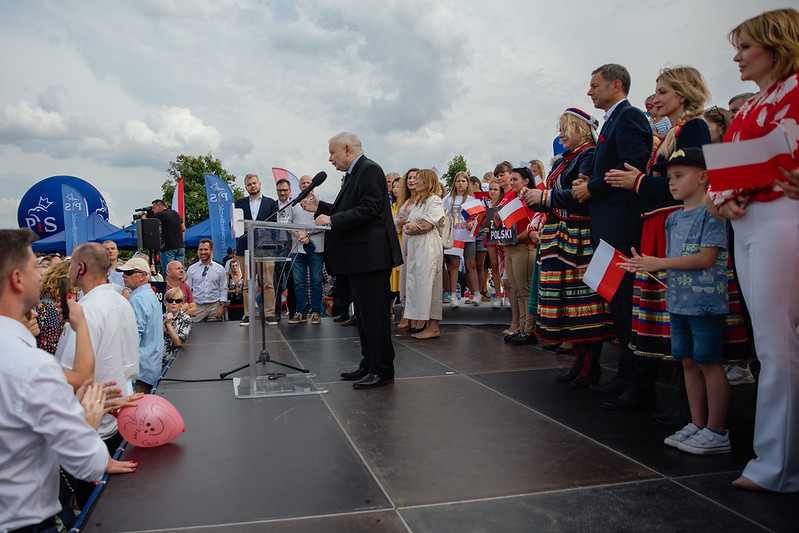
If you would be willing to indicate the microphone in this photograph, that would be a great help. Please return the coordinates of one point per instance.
(315, 182)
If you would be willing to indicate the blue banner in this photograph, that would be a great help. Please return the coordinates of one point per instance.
(76, 216)
(220, 198)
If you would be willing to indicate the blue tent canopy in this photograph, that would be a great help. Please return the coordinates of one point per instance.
(201, 230)
(98, 229)
(125, 237)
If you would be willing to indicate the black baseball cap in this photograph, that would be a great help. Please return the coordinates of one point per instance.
(693, 157)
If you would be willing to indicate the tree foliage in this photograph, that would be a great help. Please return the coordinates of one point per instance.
(193, 169)
(457, 164)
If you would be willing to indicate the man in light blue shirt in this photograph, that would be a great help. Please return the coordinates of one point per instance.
(149, 321)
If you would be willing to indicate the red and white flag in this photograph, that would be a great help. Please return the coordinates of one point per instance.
(471, 207)
(750, 163)
(603, 273)
(457, 248)
(283, 174)
(177, 200)
(513, 212)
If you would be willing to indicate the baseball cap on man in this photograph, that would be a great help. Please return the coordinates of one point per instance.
(135, 263)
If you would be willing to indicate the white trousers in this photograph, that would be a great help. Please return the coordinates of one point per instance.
(767, 260)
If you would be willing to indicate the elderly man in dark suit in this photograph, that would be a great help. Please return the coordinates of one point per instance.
(362, 243)
(264, 209)
(626, 137)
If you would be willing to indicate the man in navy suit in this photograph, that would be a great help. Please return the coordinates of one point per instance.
(264, 209)
(626, 137)
(362, 243)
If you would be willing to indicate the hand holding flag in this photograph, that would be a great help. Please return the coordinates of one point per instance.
(604, 274)
(642, 263)
(512, 212)
(791, 187)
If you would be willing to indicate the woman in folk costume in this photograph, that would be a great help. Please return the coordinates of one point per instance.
(568, 310)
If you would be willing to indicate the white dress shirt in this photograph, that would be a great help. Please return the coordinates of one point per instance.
(209, 288)
(42, 425)
(115, 343)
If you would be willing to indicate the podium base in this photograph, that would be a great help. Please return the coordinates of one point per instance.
(279, 385)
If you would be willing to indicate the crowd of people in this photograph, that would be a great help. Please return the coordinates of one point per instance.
(712, 277)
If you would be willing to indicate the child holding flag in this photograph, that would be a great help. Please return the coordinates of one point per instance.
(464, 247)
(696, 298)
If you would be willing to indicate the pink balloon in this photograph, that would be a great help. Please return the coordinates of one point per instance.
(152, 422)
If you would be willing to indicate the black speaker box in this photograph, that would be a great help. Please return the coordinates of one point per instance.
(148, 234)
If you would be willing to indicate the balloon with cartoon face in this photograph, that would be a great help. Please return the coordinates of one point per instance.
(152, 422)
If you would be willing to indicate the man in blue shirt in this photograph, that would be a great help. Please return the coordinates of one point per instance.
(149, 321)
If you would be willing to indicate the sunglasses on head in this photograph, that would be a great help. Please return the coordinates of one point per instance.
(131, 272)
(205, 270)
(174, 300)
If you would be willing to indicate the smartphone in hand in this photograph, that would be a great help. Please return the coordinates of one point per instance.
(63, 290)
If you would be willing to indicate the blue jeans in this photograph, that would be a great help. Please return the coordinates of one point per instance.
(167, 256)
(698, 337)
(313, 263)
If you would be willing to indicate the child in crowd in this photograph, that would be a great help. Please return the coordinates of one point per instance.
(460, 193)
(696, 299)
(177, 324)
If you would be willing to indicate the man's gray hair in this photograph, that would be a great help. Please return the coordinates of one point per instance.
(744, 96)
(347, 137)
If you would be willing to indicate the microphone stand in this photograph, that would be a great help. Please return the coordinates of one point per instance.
(264, 356)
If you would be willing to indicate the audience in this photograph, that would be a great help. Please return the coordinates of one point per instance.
(208, 283)
(177, 324)
(235, 291)
(49, 319)
(176, 278)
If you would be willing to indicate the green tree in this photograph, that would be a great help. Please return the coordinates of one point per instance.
(457, 164)
(193, 169)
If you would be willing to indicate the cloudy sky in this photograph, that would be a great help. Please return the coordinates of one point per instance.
(112, 91)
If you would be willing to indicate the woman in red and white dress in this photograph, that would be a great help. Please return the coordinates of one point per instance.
(766, 225)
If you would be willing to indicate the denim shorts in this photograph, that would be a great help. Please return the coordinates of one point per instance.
(698, 337)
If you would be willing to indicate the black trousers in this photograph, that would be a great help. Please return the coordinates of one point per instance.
(638, 373)
(369, 292)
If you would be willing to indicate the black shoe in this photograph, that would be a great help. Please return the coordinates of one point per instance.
(614, 387)
(510, 336)
(679, 417)
(551, 347)
(355, 375)
(371, 381)
(631, 399)
(271, 320)
(571, 375)
(564, 351)
(245, 321)
(415, 330)
(342, 317)
(583, 382)
(524, 340)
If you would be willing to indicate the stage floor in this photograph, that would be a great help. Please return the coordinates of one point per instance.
(474, 435)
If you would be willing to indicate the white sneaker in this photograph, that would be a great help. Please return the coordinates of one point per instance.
(684, 434)
(496, 303)
(453, 303)
(505, 301)
(705, 442)
(738, 375)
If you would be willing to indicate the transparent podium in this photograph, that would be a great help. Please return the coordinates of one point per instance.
(269, 243)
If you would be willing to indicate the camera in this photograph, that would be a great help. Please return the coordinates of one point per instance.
(137, 213)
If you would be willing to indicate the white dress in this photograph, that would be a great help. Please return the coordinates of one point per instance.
(423, 267)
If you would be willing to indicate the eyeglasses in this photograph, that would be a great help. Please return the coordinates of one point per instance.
(174, 300)
(131, 272)
(205, 270)
(284, 190)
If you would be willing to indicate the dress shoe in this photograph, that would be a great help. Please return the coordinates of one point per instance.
(510, 336)
(342, 317)
(677, 417)
(351, 321)
(614, 387)
(562, 350)
(583, 382)
(371, 381)
(551, 347)
(631, 399)
(523, 339)
(355, 375)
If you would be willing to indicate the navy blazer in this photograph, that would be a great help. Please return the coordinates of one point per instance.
(265, 212)
(626, 137)
(362, 237)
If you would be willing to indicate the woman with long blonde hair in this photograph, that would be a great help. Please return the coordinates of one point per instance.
(400, 211)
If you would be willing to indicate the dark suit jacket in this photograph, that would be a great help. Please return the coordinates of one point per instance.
(362, 237)
(265, 212)
(626, 137)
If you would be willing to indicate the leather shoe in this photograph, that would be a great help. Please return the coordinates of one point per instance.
(583, 382)
(350, 321)
(371, 381)
(355, 375)
(631, 399)
(342, 317)
(614, 387)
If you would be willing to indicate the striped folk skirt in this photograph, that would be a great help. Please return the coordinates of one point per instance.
(568, 310)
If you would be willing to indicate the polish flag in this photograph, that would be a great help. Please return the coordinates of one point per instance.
(513, 212)
(472, 207)
(177, 200)
(283, 174)
(457, 248)
(603, 273)
(750, 163)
